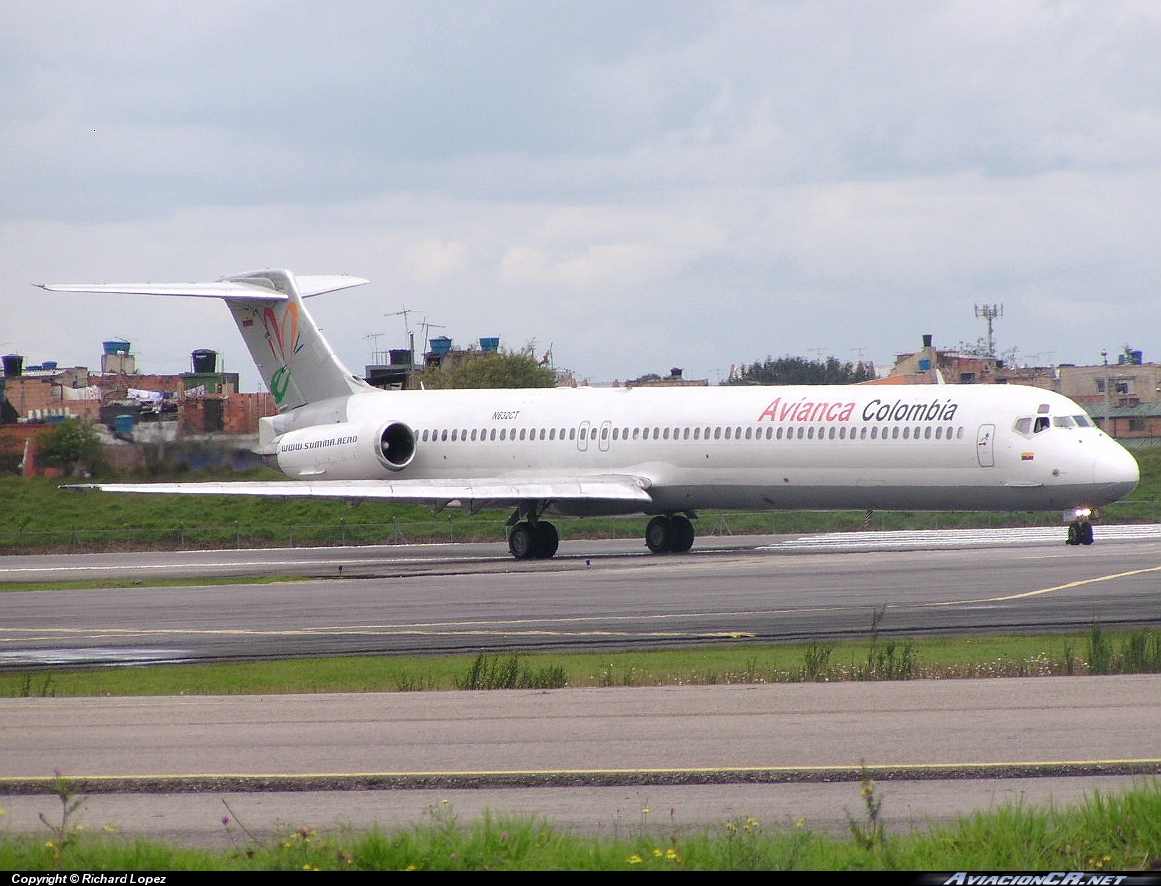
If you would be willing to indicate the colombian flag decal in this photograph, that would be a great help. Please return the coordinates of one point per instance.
(1027, 456)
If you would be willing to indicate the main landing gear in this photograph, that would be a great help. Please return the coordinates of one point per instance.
(669, 534)
(533, 540)
(1079, 533)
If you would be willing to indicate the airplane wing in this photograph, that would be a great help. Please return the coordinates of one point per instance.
(494, 491)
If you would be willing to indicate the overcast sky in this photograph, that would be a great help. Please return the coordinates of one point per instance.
(639, 185)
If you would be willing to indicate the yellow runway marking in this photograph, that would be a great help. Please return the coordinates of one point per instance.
(1063, 587)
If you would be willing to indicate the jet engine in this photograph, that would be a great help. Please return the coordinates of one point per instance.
(345, 451)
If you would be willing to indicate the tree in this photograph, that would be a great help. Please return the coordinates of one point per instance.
(72, 445)
(800, 371)
(500, 369)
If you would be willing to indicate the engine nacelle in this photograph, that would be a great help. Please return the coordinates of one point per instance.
(344, 451)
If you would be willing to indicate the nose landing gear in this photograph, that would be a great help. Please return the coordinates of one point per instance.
(1079, 533)
(1079, 522)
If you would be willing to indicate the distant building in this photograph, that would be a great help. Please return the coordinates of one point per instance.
(124, 399)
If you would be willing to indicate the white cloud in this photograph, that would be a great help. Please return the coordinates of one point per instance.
(641, 185)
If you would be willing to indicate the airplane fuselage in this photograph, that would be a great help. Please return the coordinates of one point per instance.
(823, 447)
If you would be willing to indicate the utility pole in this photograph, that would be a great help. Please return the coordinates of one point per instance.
(1105, 357)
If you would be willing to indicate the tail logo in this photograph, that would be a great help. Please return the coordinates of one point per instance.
(282, 336)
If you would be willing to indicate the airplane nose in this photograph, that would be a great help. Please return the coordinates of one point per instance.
(1116, 471)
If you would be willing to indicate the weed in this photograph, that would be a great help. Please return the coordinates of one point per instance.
(1100, 651)
(65, 833)
(497, 672)
(867, 833)
(816, 662)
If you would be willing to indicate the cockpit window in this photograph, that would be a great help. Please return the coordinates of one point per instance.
(1041, 424)
(1062, 421)
(1082, 421)
(1023, 426)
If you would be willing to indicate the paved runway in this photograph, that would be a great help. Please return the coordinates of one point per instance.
(599, 756)
(470, 598)
(691, 756)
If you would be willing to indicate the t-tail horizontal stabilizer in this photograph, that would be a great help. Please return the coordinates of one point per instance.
(296, 363)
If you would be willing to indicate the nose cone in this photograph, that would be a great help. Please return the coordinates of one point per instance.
(1116, 471)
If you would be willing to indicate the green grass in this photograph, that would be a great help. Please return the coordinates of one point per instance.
(1098, 651)
(105, 584)
(39, 517)
(1107, 832)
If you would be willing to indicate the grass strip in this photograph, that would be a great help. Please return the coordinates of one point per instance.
(179, 582)
(1106, 832)
(1099, 651)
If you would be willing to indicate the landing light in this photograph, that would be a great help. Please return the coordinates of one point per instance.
(1074, 514)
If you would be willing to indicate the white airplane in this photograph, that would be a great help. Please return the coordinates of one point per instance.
(667, 452)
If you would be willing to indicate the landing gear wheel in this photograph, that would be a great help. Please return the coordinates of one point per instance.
(669, 535)
(1079, 533)
(522, 541)
(659, 535)
(547, 540)
(683, 534)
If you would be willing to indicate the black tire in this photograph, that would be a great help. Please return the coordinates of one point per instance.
(547, 540)
(683, 534)
(1086, 534)
(659, 535)
(1073, 534)
(523, 541)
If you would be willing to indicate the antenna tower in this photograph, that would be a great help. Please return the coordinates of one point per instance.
(990, 313)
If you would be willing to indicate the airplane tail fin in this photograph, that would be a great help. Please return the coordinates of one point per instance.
(296, 363)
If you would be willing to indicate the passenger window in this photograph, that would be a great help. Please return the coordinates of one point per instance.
(604, 433)
(717, 433)
(503, 433)
(572, 433)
